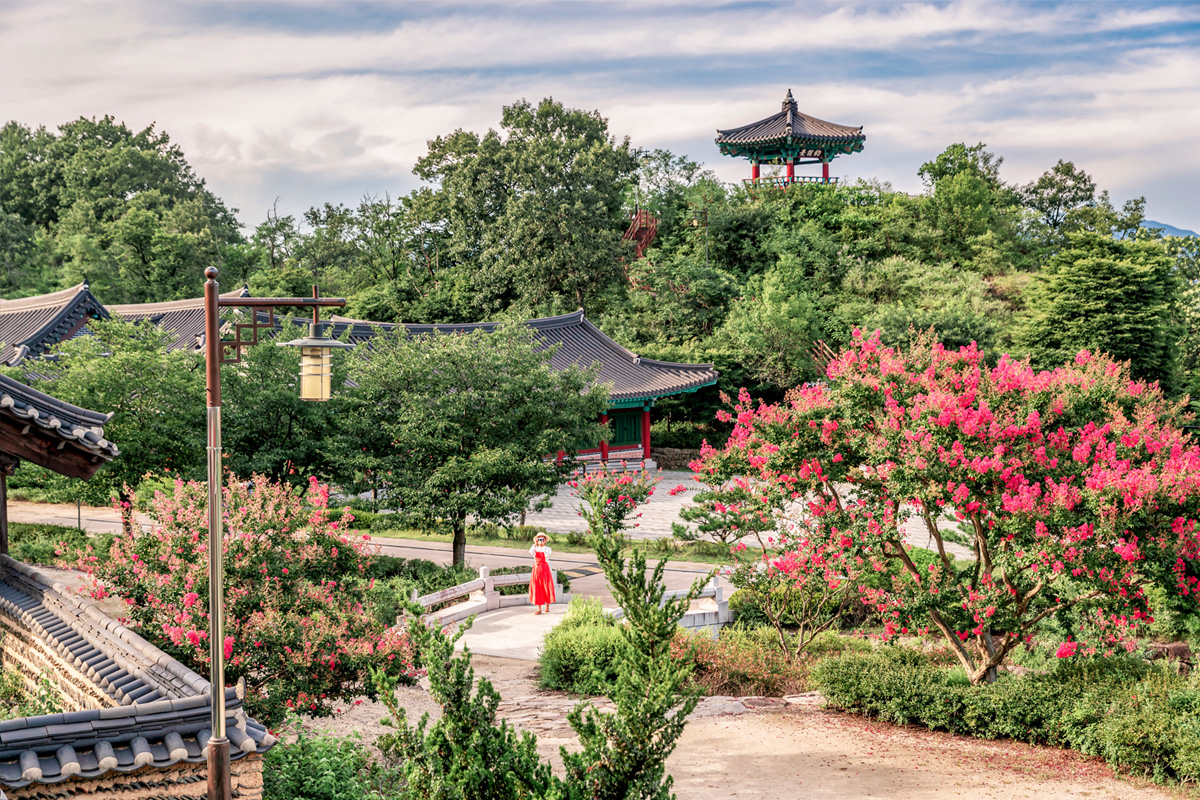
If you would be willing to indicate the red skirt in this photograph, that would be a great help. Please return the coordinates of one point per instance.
(541, 584)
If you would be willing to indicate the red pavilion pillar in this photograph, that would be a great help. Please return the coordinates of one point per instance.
(754, 170)
(825, 171)
(646, 432)
(791, 173)
(604, 442)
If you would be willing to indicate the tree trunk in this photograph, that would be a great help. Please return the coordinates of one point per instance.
(127, 512)
(460, 546)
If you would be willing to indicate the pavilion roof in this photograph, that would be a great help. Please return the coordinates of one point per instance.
(53, 434)
(790, 128)
(582, 344)
(32, 325)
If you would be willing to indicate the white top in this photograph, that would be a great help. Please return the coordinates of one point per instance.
(541, 548)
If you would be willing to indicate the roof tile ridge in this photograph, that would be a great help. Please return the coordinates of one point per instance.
(53, 403)
(48, 300)
(182, 304)
(678, 364)
(740, 128)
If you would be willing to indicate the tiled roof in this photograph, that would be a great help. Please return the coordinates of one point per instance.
(32, 325)
(790, 124)
(582, 344)
(160, 714)
(77, 426)
(185, 318)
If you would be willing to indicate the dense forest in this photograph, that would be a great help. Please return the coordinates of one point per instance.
(527, 220)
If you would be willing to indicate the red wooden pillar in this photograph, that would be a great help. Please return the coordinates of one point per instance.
(604, 442)
(791, 173)
(754, 170)
(646, 432)
(558, 459)
(825, 171)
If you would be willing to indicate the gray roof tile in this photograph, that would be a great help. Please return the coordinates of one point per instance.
(580, 343)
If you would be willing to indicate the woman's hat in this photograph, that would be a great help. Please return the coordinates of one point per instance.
(540, 536)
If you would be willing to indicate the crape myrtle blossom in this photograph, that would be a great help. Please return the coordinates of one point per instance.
(1074, 488)
(297, 628)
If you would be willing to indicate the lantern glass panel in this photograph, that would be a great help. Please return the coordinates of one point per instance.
(315, 373)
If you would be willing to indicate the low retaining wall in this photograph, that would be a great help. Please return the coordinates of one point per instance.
(674, 457)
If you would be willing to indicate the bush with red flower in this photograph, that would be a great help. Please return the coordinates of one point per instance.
(297, 629)
(1074, 489)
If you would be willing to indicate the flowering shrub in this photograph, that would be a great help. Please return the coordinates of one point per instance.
(612, 498)
(297, 629)
(1074, 489)
(740, 662)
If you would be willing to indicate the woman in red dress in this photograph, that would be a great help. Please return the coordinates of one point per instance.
(541, 582)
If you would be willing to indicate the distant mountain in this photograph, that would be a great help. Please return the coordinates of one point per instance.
(1168, 230)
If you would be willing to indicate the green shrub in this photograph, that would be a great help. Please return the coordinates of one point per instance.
(526, 533)
(318, 767)
(1140, 718)
(581, 653)
(363, 520)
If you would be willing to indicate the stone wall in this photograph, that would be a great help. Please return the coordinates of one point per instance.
(30, 656)
(673, 457)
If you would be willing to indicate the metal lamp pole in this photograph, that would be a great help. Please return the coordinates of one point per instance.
(219, 783)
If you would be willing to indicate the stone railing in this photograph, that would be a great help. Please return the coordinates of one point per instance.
(483, 594)
(710, 614)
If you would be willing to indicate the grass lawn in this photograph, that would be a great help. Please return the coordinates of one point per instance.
(522, 538)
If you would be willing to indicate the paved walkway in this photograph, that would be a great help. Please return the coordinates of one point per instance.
(657, 515)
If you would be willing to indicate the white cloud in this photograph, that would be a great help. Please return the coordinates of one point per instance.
(327, 111)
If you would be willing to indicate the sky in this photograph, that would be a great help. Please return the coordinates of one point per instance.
(302, 103)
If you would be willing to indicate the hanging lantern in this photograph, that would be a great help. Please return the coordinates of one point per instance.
(316, 363)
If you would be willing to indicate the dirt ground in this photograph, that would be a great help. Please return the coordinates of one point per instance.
(803, 751)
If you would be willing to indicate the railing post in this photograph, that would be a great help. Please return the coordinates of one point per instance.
(490, 595)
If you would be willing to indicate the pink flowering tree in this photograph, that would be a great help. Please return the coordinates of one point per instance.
(1073, 489)
(297, 630)
(802, 580)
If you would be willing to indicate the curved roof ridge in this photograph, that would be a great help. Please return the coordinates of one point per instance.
(44, 300)
(674, 364)
(162, 306)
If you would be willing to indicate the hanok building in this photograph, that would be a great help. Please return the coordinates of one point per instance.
(135, 722)
(790, 137)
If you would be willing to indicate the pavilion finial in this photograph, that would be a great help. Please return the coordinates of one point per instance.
(789, 101)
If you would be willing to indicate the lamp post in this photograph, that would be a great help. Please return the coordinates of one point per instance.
(315, 354)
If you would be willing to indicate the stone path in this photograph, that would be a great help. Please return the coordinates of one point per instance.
(657, 515)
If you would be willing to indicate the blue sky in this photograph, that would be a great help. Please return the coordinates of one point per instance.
(311, 102)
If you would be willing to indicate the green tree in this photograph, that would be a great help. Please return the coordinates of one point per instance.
(773, 328)
(533, 214)
(462, 425)
(156, 397)
(1057, 192)
(623, 755)
(266, 428)
(123, 207)
(1108, 295)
